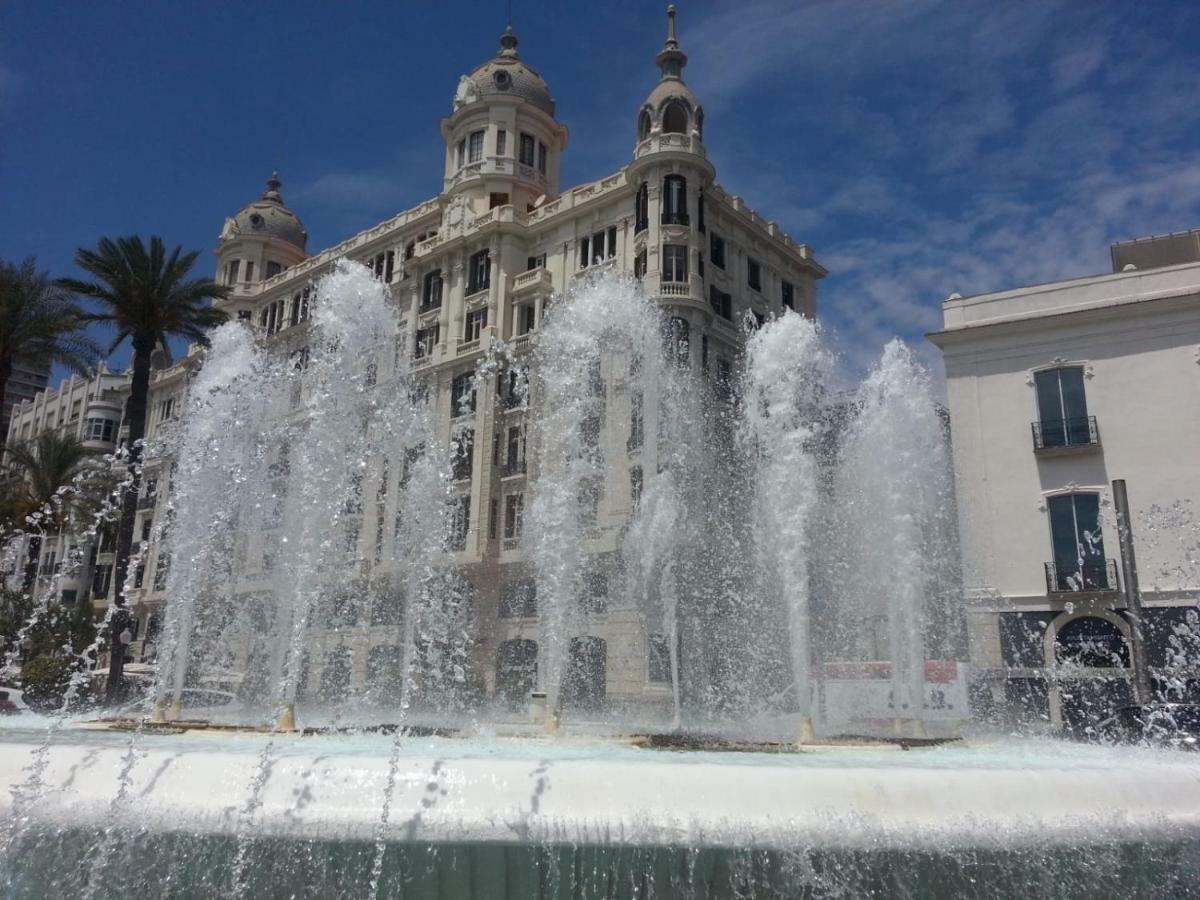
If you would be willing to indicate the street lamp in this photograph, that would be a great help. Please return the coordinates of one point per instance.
(120, 637)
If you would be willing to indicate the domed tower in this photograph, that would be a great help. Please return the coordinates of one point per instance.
(259, 242)
(670, 172)
(503, 144)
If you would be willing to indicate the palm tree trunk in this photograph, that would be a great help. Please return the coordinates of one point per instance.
(135, 418)
(6, 368)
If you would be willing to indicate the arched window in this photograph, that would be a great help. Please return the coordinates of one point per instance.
(674, 200)
(1092, 642)
(641, 209)
(644, 125)
(675, 118)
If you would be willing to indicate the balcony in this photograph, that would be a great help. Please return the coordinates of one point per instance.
(530, 282)
(675, 218)
(1074, 578)
(1058, 435)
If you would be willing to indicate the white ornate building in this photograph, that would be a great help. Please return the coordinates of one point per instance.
(477, 262)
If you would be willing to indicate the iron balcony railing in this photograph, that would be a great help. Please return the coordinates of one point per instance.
(1073, 578)
(1053, 433)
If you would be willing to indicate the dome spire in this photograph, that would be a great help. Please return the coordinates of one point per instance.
(671, 59)
(508, 43)
(273, 186)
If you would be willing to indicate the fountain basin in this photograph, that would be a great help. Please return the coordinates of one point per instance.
(507, 792)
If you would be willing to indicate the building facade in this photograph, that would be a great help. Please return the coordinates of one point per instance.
(90, 410)
(476, 264)
(24, 384)
(1055, 391)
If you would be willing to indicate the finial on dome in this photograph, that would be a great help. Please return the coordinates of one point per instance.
(273, 186)
(508, 42)
(671, 59)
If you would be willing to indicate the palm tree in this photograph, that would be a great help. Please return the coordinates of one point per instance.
(45, 465)
(40, 323)
(37, 470)
(149, 297)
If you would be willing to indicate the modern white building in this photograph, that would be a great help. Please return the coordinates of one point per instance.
(476, 263)
(1055, 391)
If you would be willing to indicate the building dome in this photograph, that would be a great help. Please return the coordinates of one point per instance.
(505, 75)
(269, 217)
(671, 108)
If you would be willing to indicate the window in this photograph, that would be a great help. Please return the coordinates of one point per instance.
(716, 250)
(610, 249)
(674, 210)
(659, 651)
(519, 599)
(166, 410)
(304, 298)
(479, 273)
(501, 141)
(635, 487)
(231, 271)
(541, 159)
(250, 270)
(410, 249)
(589, 503)
(527, 145)
(475, 147)
(461, 153)
(427, 339)
(788, 292)
(101, 575)
(514, 513)
(1078, 544)
(476, 322)
(431, 294)
(100, 430)
(462, 454)
(637, 422)
(273, 269)
(584, 248)
(641, 209)
(704, 352)
(675, 118)
(377, 265)
(676, 338)
(295, 316)
(721, 302)
(639, 264)
(495, 200)
(389, 266)
(462, 393)
(753, 274)
(643, 125)
(700, 211)
(594, 596)
(535, 262)
(515, 457)
(460, 523)
(1062, 408)
(724, 385)
(675, 263)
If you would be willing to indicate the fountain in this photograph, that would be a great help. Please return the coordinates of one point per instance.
(783, 557)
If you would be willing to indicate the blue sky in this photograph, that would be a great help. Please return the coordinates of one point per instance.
(919, 147)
